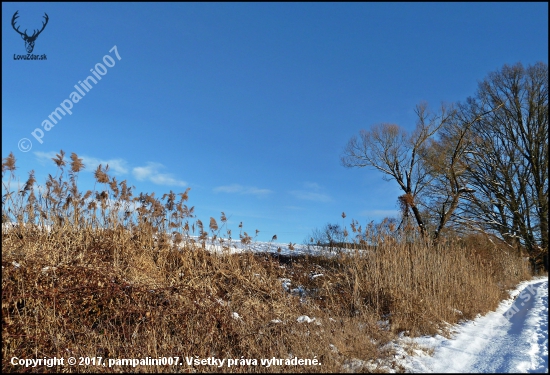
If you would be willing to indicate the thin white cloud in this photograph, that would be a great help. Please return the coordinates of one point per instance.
(294, 208)
(310, 196)
(117, 166)
(239, 189)
(151, 172)
(235, 188)
(312, 192)
(256, 191)
(312, 186)
(45, 157)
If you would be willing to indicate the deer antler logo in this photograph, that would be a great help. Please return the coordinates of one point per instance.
(29, 40)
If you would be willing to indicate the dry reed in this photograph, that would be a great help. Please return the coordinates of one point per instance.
(104, 273)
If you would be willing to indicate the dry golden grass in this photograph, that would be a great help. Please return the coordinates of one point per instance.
(98, 276)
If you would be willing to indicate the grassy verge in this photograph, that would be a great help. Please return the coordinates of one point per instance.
(96, 275)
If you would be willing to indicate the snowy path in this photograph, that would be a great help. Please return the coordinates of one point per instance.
(514, 338)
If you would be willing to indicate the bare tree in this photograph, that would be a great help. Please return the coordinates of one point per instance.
(331, 237)
(399, 156)
(482, 167)
(429, 165)
(446, 160)
(507, 158)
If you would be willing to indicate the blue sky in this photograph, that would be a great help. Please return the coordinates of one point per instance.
(249, 105)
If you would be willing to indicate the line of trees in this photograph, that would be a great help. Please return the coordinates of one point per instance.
(479, 165)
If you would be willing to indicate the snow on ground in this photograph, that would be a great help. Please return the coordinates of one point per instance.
(514, 338)
(236, 246)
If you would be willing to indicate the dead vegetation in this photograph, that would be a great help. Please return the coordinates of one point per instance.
(107, 274)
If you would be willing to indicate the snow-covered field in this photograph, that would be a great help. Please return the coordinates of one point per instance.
(235, 246)
(514, 338)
